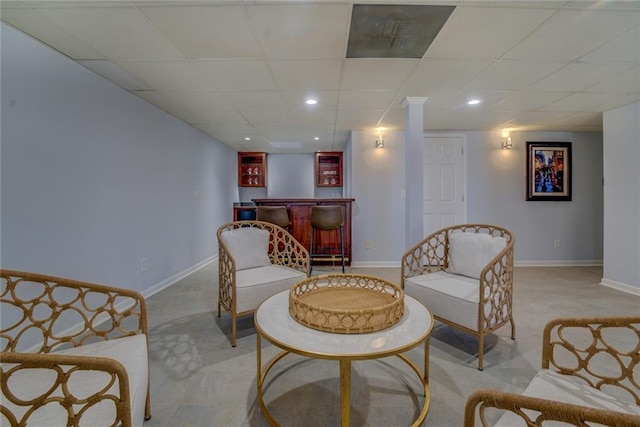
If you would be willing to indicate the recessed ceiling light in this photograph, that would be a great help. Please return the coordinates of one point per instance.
(474, 102)
(316, 138)
(311, 101)
(246, 138)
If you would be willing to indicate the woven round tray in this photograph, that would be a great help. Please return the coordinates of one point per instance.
(346, 303)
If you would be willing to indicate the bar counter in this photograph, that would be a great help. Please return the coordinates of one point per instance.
(299, 211)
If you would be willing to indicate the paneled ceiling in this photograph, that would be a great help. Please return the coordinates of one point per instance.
(239, 69)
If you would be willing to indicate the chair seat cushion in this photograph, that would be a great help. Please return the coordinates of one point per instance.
(131, 352)
(254, 285)
(448, 296)
(551, 385)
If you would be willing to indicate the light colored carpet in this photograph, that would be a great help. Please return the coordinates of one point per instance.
(198, 379)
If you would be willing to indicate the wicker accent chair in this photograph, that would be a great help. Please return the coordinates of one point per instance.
(589, 376)
(464, 274)
(73, 353)
(257, 259)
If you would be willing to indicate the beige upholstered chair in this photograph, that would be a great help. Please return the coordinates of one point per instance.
(464, 274)
(590, 372)
(256, 260)
(65, 341)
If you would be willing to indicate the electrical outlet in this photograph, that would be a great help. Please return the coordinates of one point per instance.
(367, 244)
(144, 264)
(556, 243)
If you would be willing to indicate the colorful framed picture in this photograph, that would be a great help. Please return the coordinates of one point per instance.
(549, 171)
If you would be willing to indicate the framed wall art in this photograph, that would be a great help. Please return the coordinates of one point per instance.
(549, 171)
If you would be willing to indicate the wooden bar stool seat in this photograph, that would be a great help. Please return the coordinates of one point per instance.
(326, 218)
(274, 214)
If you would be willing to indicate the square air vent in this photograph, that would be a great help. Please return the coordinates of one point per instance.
(390, 31)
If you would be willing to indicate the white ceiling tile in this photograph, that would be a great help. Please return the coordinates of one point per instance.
(40, 28)
(219, 118)
(582, 118)
(620, 101)
(580, 101)
(360, 119)
(327, 100)
(307, 75)
(362, 100)
(627, 82)
(376, 73)
(255, 100)
(119, 33)
(529, 101)
(200, 99)
(267, 116)
(568, 35)
(482, 32)
(432, 76)
(237, 75)
(202, 32)
(302, 30)
(306, 117)
(624, 48)
(513, 75)
(167, 75)
(578, 76)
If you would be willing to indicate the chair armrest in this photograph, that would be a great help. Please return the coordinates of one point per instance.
(113, 389)
(285, 250)
(496, 289)
(427, 256)
(68, 312)
(535, 411)
(570, 345)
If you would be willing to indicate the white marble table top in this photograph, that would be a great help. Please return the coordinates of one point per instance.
(275, 324)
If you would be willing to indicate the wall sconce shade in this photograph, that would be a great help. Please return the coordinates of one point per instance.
(506, 143)
(379, 142)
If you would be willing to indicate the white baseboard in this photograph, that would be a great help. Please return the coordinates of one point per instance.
(633, 290)
(556, 263)
(175, 278)
(542, 263)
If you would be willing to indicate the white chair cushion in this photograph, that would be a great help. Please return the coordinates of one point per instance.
(470, 252)
(254, 285)
(131, 352)
(568, 389)
(249, 246)
(448, 296)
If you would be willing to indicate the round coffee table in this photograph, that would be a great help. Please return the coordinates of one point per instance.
(274, 323)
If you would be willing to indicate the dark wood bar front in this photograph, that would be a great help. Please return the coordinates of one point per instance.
(299, 211)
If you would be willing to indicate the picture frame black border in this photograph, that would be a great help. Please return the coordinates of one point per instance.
(565, 196)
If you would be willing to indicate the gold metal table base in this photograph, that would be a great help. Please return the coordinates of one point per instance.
(345, 382)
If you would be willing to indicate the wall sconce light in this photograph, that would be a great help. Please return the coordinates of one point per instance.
(506, 143)
(380, 142)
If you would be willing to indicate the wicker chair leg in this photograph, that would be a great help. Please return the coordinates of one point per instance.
(481, 351)
(233, 330)
(513, 327)
(147, 405)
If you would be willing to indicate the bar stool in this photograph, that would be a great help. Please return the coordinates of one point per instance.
(326, 218)
(274, 214)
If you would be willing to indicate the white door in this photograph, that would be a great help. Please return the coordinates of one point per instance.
(443, 187)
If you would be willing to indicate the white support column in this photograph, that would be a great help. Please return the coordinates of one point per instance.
(414, 130)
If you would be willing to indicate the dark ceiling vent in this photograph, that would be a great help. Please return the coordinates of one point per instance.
(389, 31)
